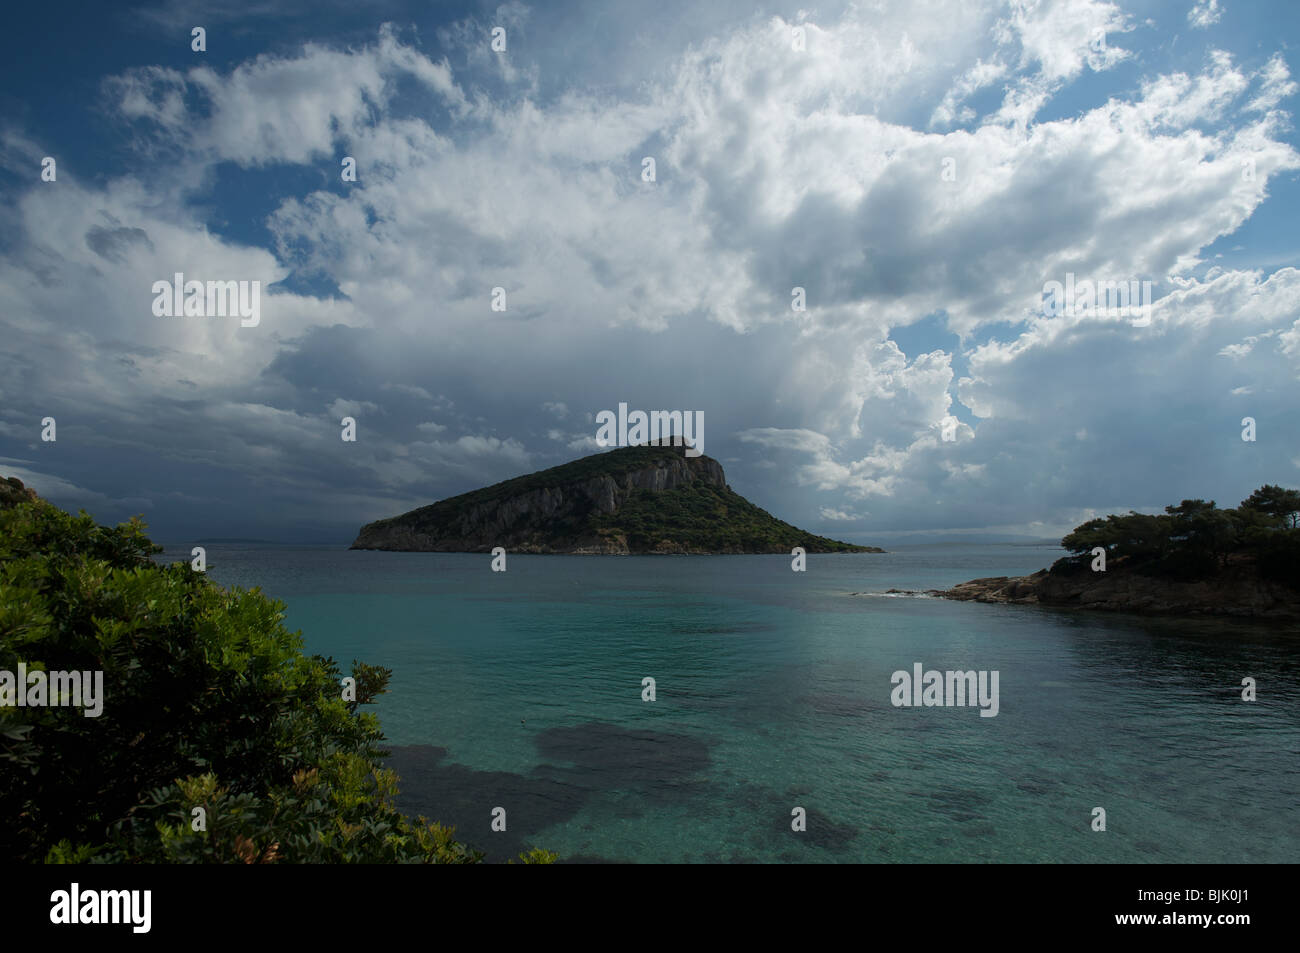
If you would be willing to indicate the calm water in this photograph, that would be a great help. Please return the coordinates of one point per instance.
(523, 690)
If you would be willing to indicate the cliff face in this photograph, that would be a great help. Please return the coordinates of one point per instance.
(1238, 593)
(12, 492)
(636, 499)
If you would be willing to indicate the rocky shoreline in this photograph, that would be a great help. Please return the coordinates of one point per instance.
(1239, 593)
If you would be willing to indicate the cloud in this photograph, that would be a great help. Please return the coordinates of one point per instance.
(980, 75)
(58, 490)
(1275, 85)
(822, 169)
(351, 408)
(112, 244)
(840, 516)
(1204, 14)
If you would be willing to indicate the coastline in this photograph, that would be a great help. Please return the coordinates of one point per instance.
(1238, 594)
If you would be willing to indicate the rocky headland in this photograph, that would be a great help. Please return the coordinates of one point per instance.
(1239, 592)
(644, 499)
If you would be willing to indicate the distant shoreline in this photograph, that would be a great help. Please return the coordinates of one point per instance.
(1239, 594)
(863, 551)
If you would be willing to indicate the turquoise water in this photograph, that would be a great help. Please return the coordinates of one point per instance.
(523, 690)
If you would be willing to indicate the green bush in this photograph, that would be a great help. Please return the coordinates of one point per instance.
(210, 703)
(1195, 539)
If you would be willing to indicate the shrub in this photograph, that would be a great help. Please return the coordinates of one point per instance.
(211, 711)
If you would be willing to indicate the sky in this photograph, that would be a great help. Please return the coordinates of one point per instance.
(921, 171)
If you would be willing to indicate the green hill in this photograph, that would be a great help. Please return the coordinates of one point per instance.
(646, 499)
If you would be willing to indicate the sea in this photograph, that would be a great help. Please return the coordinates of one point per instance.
(772, 735)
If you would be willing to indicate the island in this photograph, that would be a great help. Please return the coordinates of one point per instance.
(648, 499)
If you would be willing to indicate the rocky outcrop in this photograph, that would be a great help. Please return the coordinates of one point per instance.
(1237, 592)
(12, 492)
(583, 508)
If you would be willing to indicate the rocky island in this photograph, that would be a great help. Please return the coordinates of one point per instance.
(643, 499)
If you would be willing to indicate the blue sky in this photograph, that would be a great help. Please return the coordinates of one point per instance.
(1115, 141)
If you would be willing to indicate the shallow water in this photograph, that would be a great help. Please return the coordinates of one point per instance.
(523, 690)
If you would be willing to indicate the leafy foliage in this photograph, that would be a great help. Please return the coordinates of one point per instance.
(702, 516)
(1278, 505)
(210, 704)
(1195, 539)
